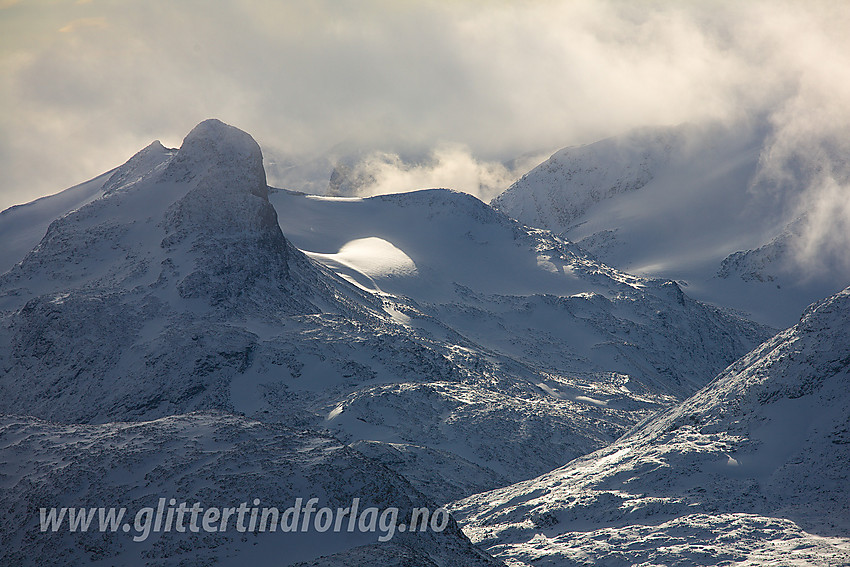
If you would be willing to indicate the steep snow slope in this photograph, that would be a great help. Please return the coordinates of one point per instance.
(674, 203)
(22, 226)
(215, 459)
(753, 469)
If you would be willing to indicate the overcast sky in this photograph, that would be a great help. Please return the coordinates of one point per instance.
(85, 84)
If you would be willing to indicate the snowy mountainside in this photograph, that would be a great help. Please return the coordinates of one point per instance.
(519, 292)
(132, 290)
(592, 346)
(681, 203)
(776, 264)
(573, 180)
(425, 330)
(22, 226)
(219, 460)
(176, 291)
(752, 469)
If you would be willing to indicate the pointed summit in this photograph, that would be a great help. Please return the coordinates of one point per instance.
(225, 216)
(215, 150)
(198, 217)
(224, 168)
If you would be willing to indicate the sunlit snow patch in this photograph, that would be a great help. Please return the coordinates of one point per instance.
(373, 257)
(546, 263)
(334, 412)
(549, 390)
(332, 198)
(397, 315)
(589, 400)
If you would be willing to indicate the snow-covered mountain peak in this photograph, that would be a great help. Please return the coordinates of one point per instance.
(222, 236)
(198, 218)
(228, 196)
(448, 202)
(219, 152)
(225, 217)
(562, 189)
(162, 255)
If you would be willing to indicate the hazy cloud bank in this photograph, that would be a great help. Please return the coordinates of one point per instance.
(471, 84)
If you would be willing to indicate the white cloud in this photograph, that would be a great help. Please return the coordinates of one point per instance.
(447, 165)
(476, 82)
